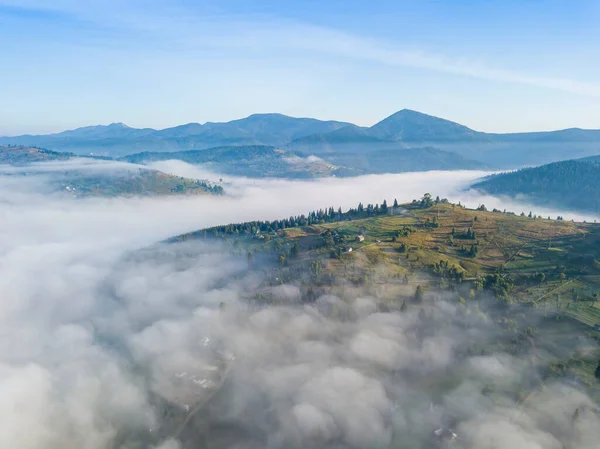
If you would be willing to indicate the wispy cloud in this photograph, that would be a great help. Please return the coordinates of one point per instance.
(205, 28)
(339, 43)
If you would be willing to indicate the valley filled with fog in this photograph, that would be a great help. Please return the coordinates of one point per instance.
(91, 328)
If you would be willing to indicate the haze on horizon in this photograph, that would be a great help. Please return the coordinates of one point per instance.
(493, 67)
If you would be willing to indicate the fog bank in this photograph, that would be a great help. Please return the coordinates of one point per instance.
(92, 333)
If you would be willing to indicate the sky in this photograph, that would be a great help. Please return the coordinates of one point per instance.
(494, 66)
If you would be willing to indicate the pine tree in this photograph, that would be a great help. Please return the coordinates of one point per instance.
(294, 251)
(404, 306)
(384, 207)
(395, 202)
(419, 293)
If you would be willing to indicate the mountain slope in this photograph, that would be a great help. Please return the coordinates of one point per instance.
(563, 135)
(73, 175)
(404, 160)
(571, 185)
(350, 133)
(138, 182)
(429, 237)
(252, 161)
(593, 159)
(266, 161)
(17, 155)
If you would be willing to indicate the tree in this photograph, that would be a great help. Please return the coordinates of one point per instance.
(453, 230)
(426, 201)
(395, 202)
(329, 242)
(404, 306)
(294, 250)
(597, 372)
(250, 259)
(419, 293)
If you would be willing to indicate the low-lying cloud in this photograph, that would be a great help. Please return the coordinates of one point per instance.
(94, 330)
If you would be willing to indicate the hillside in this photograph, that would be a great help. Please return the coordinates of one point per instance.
(350, 133)
(403, 160)
(593, 159)
(130, 182)
(401, 130)
(571, 185)
(265, 161)
(17, 155)
(256, 161)
(538, 279)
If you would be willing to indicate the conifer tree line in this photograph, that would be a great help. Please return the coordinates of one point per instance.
(320, 216)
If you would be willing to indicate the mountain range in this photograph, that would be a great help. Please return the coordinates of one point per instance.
(402, 130)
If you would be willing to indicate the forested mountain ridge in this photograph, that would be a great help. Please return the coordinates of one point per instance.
(395, 245)
(572, 184)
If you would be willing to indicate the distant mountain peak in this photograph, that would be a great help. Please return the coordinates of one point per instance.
(408, 125)
(267, 114)
(118, 125)
(406, 111)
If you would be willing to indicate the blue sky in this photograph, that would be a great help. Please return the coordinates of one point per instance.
(498, 66)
